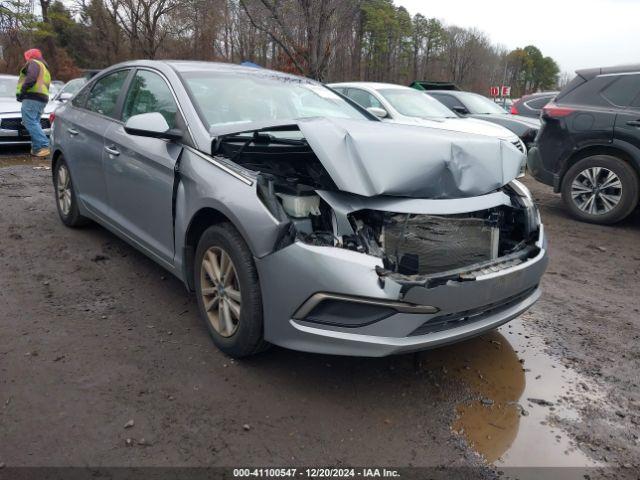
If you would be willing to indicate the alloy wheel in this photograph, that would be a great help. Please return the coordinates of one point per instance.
(220, 290)
(596, 190)
(64, 190)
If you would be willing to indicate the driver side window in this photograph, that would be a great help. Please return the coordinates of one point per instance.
(150, 93)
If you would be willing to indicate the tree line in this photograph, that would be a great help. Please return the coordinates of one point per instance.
(329, 40)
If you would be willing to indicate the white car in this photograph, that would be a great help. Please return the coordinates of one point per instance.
(12, 131)
(399, 104)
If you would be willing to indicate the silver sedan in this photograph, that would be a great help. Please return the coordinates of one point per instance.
(296, 216)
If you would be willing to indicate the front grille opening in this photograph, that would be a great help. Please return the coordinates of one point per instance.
(467, 317)
(16, 124)
(425, 245)
(422, 244)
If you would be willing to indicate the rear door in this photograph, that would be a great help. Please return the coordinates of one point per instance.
(92, 113)
(139, 170)
(627, 96)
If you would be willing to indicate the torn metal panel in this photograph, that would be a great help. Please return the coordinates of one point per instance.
(372, 159)
(369, 159)
(347, 203)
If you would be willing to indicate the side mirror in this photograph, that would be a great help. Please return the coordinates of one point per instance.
(461, 110)
(378, 112)
(64, 97)
(151, 125)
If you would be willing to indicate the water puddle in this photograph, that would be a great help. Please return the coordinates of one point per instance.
(523, 391)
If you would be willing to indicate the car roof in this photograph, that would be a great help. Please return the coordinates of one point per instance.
(183, 66)
(589, 73)
(372, 85)
(8, 76)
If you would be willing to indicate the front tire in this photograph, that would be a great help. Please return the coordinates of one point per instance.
(66, 200)
(228, 291)
(600, 189)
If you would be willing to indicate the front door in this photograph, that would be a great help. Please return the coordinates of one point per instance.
(139, 171)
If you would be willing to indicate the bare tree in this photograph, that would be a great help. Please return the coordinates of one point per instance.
(324, 39)
(303, 29)
(144, 21)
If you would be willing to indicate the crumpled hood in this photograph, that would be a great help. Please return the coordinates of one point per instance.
(375, 158)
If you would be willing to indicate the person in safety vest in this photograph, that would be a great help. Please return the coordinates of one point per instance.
(33, 92)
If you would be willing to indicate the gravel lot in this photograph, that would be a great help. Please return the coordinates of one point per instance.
(104, 361)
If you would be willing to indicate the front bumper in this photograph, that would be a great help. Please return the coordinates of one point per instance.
(296, 273)
(17, 135)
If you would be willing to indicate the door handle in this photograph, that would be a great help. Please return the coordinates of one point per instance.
(634, 123)
(72, 132)
(112, 151)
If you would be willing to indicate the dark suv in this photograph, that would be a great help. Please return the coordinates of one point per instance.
(588, 147)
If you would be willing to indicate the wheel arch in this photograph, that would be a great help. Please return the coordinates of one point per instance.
(199, 222)
(55, 158)
(618, 149)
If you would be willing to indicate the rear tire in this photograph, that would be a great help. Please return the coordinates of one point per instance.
(600, 189)
(65, 195)
(228, 291)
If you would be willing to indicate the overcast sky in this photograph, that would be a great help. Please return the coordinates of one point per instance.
(576, 33)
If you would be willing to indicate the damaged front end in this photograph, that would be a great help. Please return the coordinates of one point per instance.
(418, 245)
(358, 257)
(419, 240)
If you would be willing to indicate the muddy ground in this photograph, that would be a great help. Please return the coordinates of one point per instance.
(104, 362)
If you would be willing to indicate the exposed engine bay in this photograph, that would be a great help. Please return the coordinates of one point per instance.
(415, 247)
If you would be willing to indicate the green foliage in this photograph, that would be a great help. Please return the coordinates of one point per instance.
(530, 71)
(387, 33)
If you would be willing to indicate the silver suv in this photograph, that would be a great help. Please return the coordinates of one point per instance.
(296, 216)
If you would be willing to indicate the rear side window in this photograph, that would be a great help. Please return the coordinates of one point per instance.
(81, 98)
(572, 85)
(104, 95)
(623, 90)
(588, 93)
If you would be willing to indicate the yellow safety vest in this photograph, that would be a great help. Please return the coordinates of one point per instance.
(42, 83)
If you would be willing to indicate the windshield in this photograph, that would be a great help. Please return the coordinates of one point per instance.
(478, 104)
(225, 98)
(8, 87)
(413, 103)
